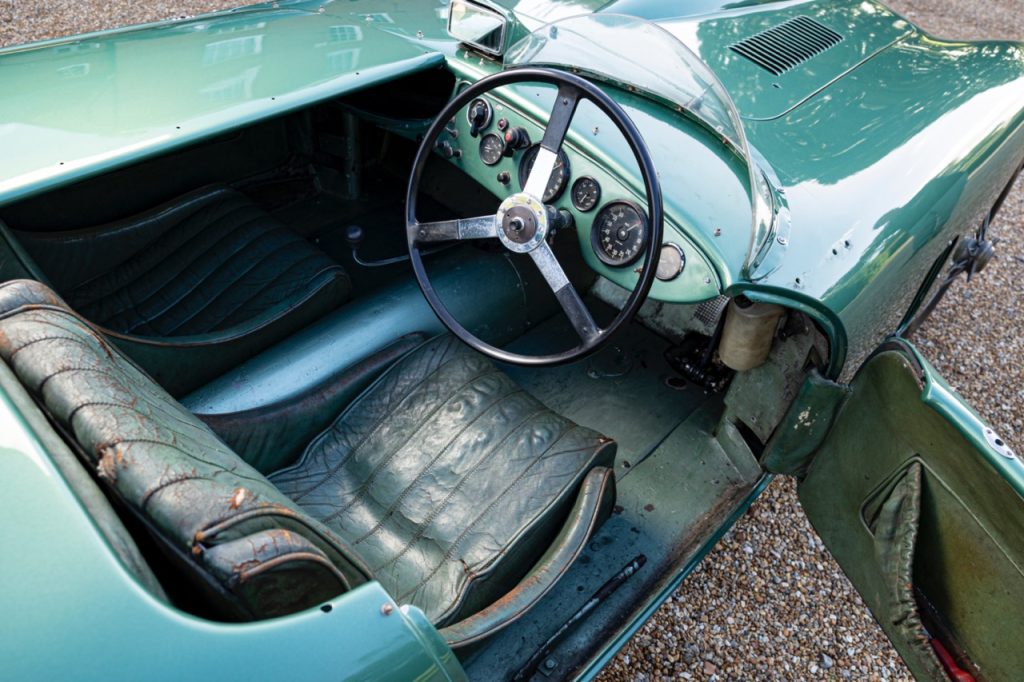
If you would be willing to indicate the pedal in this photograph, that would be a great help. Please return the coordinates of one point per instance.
(692, 360)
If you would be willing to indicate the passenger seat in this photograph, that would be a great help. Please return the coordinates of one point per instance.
(188, 289)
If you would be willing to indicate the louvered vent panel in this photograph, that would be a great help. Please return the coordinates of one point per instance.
(787, 45)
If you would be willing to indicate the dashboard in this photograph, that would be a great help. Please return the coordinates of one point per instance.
(496, 143)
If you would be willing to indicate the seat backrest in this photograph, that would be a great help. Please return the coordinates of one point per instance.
(238, 537)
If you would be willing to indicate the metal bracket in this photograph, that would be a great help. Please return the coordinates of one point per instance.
(971, 256)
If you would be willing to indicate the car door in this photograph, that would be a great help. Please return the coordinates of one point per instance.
(922, 504)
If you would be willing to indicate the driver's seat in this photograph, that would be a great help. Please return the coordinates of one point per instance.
(444, 481)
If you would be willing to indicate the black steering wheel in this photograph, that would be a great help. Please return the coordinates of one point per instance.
(522, 222)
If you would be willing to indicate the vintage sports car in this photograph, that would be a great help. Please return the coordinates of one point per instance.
(382, 339)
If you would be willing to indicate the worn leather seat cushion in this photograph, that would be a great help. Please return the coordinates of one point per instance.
(443, 480)
(211, 509)
(446, 477)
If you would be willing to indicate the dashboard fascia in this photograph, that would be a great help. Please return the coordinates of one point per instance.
(523, 106)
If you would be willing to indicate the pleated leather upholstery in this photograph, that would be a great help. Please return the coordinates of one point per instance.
(188, 289)
(213, 260)
(162, 462)
(444, 480)
(446, 477)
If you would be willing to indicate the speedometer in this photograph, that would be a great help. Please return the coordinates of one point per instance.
(619, 233)
(559, 176)
(491, 149)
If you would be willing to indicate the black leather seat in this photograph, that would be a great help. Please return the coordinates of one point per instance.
(456, 490)
(189, 288)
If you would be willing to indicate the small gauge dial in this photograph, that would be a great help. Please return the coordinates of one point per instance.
(586, 192)
(491, 149)
(559, 176)
(671, 262)
(619, 233)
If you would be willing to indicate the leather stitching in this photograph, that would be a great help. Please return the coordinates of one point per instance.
(301, 261)
(115, 287)
(218, 260)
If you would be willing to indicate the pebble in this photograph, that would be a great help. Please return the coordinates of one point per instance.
(742, 606)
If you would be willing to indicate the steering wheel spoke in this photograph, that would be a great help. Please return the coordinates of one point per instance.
(481, 227)
(577, 312)
(558, 125)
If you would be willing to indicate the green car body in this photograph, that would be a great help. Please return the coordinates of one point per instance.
(882, 154)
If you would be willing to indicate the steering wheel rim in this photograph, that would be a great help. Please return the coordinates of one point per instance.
(571, 88)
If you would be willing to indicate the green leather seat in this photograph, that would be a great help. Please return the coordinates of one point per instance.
(189, 288)
(444, 481)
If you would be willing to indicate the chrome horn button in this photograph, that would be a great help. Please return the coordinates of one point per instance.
(522, 223)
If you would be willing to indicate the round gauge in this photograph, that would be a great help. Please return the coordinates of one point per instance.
(671, 262)
(586, 192)
(559, 176)
(619, 233)
(491, 149)
(479, 113)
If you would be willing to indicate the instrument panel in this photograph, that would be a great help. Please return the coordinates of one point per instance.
(497, 145)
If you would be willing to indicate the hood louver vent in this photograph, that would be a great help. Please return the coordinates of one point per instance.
(787, 45)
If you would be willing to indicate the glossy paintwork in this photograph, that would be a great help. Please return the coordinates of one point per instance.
(132, 94)
(881, 166)
(833, 155)
(873, 204)
(764, 96)
(67, 582)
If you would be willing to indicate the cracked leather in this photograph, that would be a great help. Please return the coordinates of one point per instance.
(448, 479)
(444, 480)
(273, 436)
(209, 269)
(163, 463)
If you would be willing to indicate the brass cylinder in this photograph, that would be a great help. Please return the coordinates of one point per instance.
(748, 333)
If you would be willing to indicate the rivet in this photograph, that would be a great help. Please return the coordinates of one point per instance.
(596, 130)
(718, 232)
(386, 609)
(782, 240)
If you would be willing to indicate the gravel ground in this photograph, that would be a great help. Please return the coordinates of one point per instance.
(769, 602)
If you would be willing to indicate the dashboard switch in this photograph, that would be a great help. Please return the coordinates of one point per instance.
(504, 178)
(516, 138)
(448, 151)
(479, 116)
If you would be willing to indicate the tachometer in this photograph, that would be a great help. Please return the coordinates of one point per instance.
(619, 233)
(559, 176)
(491, 149)
(586, 192)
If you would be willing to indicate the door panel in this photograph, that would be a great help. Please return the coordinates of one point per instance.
(925, 516)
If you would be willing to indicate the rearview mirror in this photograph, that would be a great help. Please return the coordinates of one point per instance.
(479, 27)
